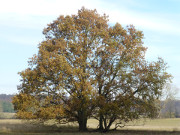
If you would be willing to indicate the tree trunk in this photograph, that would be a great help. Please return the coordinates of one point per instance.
(101, 123)
(107, 125)
(83, 124)
(82, 121)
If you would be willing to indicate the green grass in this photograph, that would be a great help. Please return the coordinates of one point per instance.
(152, 127)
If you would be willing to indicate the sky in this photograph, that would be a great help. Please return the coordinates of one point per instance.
(22, 23)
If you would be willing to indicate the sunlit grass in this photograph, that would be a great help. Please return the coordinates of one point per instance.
(158, 125)
(6, 115)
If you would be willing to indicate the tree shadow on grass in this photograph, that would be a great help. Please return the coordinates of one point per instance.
(35, 128)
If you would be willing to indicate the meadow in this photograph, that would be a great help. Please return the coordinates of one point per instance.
(151, 127)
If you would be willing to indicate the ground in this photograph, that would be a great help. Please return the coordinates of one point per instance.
(151, 127)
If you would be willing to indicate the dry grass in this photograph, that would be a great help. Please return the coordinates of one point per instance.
(6, 115)
(158, 125)
(152, 127)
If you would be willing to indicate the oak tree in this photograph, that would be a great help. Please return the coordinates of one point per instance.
(87, 68)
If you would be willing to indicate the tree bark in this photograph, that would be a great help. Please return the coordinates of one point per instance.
(82, 121)
(101, 123)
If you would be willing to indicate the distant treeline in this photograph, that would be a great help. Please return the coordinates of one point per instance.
(5, 103)
(4, 97)
(170, 108)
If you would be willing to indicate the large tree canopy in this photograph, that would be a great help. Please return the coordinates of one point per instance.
(87, 68)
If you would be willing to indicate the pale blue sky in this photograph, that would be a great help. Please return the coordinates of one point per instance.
(22, 22)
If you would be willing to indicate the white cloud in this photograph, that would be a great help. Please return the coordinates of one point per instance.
(117, 12)
(42, 7)
(145, 21)
(37, 14)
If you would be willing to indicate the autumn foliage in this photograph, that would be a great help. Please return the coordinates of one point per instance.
(87, 68)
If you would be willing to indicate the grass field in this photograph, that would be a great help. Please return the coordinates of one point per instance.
(152, 127)
(6, 115)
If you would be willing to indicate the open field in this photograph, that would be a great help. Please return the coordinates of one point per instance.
(152, 127)
(6, 115)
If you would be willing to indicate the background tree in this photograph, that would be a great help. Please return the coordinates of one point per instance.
(1, 110)
(7, 106)
(85, 68)
(169, 109)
